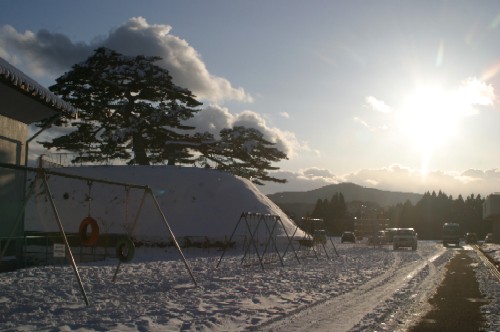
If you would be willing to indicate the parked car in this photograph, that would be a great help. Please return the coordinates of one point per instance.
(471, 238)
(405, 237)
(488, 238)
(348, 237)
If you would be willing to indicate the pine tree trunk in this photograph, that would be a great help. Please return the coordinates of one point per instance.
(139, 148)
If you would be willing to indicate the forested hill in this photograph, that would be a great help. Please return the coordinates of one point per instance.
(301, 202)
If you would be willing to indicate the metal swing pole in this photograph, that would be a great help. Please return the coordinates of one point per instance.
(271, 238)
(334, 248)
(289, 239)
(252, 235)
(172, 235)
(72, 259)
(230, 238)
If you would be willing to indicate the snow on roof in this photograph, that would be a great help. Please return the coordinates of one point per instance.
(21, 81)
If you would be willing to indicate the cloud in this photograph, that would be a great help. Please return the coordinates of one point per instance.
(370, 127)
(44, 53)
(377, 105)
(315, 173)
(473, 91)
(50, 54)
(284, 115)
(302, 180)
(214, 118)
(394, 178)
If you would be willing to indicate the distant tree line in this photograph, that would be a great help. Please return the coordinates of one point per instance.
(427, 216)
(334, 213)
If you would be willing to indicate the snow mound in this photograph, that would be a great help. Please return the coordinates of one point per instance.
(195, 202)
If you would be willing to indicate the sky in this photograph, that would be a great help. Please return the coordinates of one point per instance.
(394, 95)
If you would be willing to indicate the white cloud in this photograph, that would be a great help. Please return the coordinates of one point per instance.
(284, 115)
(50, 54)
(377, 105)
(315, 173)
(44, 53)
(214, 118)
(473, 91)
(302, 180)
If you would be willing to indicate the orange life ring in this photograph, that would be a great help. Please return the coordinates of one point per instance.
(125, 250)
(89, 240)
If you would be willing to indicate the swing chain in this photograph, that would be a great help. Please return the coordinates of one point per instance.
(127, 191)
(89, 196)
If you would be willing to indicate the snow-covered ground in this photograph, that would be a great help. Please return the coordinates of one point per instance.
(364, 288)
(348, 287)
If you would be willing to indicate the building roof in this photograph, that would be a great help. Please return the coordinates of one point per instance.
(25, 100)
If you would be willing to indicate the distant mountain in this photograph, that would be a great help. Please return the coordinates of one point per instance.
(299, 203)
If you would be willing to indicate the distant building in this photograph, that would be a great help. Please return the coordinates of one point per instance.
(491, 211)
(22, 102)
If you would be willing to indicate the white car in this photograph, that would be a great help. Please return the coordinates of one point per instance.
(405, 237)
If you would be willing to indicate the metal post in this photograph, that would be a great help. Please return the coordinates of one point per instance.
(72, 260)
(172, 235)
(230, 238)
(252, 235)
(290, 239)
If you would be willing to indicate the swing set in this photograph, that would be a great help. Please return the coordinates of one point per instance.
(257, 225)
(315, 236)
(125, 248)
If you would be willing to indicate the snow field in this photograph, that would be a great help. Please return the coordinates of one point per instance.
(154, 294)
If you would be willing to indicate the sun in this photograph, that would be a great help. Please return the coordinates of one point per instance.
(429, 118)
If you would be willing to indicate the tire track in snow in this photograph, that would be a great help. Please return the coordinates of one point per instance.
(347, 311)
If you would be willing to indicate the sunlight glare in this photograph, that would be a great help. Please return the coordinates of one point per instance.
(429, 118)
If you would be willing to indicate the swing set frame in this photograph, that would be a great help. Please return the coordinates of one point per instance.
(41, 174)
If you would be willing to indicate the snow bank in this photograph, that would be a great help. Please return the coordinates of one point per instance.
(195, 201)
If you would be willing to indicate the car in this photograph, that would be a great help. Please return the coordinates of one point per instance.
(488, 238)
(348, 237)
(405, 237)
(451, 234)
(471, 238)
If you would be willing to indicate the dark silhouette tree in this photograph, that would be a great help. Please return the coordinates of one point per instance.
(241, 151)
(333, 212)
(129, 109)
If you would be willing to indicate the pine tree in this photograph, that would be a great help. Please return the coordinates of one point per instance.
(241, 151)
(129, 109)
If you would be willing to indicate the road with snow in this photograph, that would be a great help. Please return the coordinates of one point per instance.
(391, 300)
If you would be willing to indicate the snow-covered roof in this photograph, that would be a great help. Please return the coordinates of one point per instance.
(21, 81)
